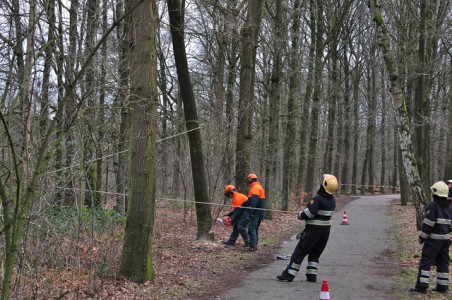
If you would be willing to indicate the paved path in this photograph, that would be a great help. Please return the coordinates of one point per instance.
(354, 261)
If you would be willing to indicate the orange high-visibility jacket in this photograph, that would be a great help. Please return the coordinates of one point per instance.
(238, 199)
(256, 198)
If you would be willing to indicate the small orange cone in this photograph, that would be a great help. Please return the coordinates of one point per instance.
(325, 291)
(344, 219)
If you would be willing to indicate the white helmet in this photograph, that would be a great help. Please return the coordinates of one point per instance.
(439, 189)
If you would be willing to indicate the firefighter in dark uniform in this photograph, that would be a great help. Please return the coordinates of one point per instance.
(313, 239)
(435, 235)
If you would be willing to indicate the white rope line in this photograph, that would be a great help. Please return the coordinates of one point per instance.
(120, 152)
(176, 200)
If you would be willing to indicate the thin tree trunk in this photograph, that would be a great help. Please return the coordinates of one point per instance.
(409, 161)
(120, 160)
(372, 120)
(332, 108)
(347, 125)
(356, 80)
(421, 123)
(100, 114)
(14, 225)
(306, 105)
(294, 86)
(175, 191)
(204, 220)
(383, 133)
(229, 107)
(314, 120)
(48, 53)
(68, 196)
(448, 170)
(91, 196)
(275, 99)
(249, 39)
(395, 162)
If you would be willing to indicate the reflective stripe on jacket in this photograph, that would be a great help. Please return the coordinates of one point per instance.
(437, 220)
(319, 210)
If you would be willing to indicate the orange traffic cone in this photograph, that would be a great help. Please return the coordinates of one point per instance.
(344, 219)
(325, 291)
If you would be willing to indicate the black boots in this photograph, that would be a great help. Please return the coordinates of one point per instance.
(441, 289)
(228, 243)
(311, 277)
(418, 290)
(285, 277)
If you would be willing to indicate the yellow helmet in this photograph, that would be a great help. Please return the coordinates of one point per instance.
(439, 189)
(329, 183)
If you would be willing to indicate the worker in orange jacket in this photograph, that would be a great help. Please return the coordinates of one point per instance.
(235, 214)
(254, 213)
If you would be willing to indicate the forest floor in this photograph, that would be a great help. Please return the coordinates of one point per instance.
(190, 269)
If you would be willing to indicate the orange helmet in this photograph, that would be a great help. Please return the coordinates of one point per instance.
(228, 190)
(251, 177)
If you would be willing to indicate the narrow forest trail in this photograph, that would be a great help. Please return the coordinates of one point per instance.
(356, 261)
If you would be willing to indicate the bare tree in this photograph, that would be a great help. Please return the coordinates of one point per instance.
(275, 99)
(311, 171)
(289, 143)
(249, 38)
(409, 162)
(136, 260)
(176, 14)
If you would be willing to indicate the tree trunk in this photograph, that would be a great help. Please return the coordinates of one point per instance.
(48, 54)
(356, 80)
(136, 260)
(347, 125)
(409, 161)
(67, 197)
(13, 221)
(383, 133)
(229, 107)
(333, 81)
(176, 15)
(101, 126)
(306, 105)
(275, 99)
(421, 123)
(294, 63)
(448, 170)
(91, 196)
(314, 120)
(249, 38)
(395, 163)
(120, 159)
(175, 192)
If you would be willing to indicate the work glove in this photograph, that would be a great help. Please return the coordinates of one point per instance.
(300, 215)
(301, 235)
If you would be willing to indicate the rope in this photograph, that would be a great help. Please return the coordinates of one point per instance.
(175, 200)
